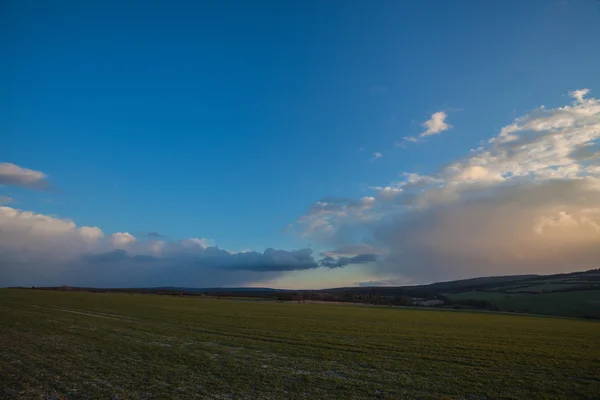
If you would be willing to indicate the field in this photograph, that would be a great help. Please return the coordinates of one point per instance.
(56, 345)
(548, 287)
(583, 304)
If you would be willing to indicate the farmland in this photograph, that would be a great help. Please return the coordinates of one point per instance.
(573, 295)
(57, 345)
(576, 303)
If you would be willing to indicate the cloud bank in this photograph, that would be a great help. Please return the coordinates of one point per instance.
(37, 249)
(527, 202)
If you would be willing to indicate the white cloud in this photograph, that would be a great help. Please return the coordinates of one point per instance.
(387, 192)
(195, 242)
(122, 240)
(562, 222)
(13, 175)
(477, 173)
(579, 94)
(38, 239)
(324, 217)
(377, 155)
(91, 233)
(526, 202)
(436, 124)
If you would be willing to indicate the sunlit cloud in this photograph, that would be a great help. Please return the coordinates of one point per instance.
(525, 202)
(435, 125)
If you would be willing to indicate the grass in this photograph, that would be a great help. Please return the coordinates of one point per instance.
(583, 304)
(549, 286)
(481, 295)
(577, 304)
(57, 345)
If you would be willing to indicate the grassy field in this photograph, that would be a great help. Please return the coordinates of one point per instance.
(56, 345)
(583, 304)
(549, 286)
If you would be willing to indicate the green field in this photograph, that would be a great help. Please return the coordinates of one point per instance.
(56, 345)
(582, 304)
(548, 286)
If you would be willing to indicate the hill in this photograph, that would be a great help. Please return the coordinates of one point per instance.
(575, 294)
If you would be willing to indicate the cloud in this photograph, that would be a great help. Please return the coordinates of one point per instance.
(387, 192)
(527, 202)
(436, 124)
(122, 240)
(322, 221)
(383, 282)
(353, 249)
(37, 249)
(527, 228)
(405, 140)
(155, 235)
(211, 258)
(579, 94)
(333, 262)
(6, 199)
(377, 155)
(13, 175)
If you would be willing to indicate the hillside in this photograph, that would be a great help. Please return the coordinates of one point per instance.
(576, 294)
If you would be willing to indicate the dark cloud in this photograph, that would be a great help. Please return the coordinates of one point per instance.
(209, 266)
(333, 262)
(117, 255)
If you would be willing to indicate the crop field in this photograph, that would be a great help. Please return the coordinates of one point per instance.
(71, 345)
(549, 286)
(584, 304)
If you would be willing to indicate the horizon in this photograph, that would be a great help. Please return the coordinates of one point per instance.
(362, 285)
(278, 147)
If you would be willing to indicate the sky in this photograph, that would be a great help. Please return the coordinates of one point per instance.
(297, 144)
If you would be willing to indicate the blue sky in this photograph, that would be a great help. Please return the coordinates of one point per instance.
(229, 120)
